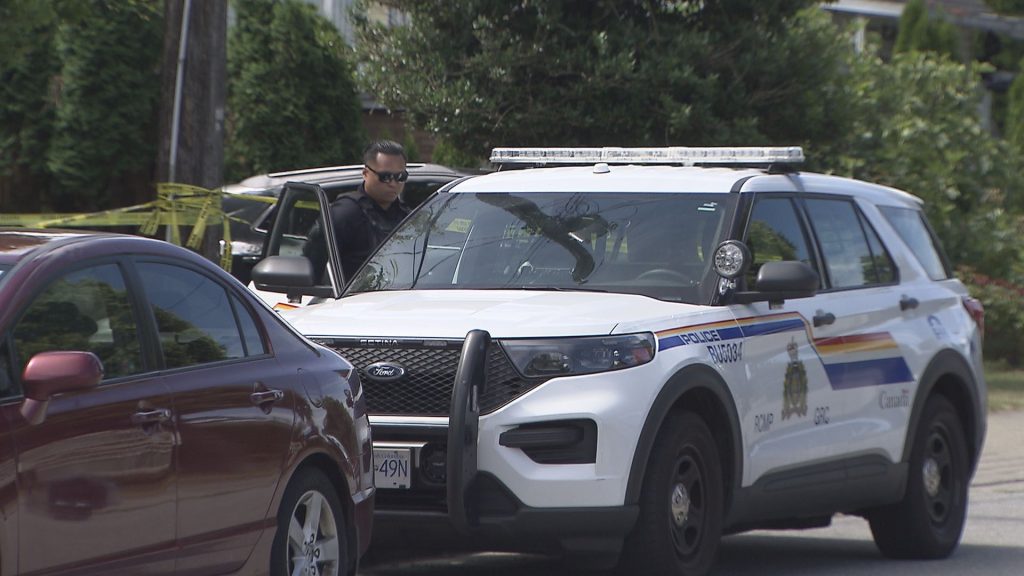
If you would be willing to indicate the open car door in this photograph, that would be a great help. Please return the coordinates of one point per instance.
(300, 258)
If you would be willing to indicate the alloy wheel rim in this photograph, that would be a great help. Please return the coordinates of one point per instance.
(313, 547)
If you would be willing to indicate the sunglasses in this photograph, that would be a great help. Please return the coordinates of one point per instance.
(386, 177)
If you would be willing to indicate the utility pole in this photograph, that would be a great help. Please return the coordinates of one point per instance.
(191, 147)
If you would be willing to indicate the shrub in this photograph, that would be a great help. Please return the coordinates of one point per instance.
(1004, 316)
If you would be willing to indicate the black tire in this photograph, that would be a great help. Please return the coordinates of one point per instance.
(680, 523)
(930, 519)
(319, 544)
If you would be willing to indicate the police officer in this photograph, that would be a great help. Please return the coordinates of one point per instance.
(363, 218)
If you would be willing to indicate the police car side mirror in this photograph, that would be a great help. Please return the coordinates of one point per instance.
(292, 275)
(778, 281)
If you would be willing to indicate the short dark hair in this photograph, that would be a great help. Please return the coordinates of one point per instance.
(388, 147)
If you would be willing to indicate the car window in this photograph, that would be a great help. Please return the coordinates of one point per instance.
(774, 233)
(851, 259)
(8, 386)
(86, 310)
(658, 245)
(416, 191)
(913, 229)
(194, 316)
(250, 333)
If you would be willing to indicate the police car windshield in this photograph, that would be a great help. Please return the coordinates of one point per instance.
(655, 244)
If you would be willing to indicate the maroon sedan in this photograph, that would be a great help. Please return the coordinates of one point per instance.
(156, 418)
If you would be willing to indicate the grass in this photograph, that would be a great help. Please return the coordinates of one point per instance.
(1005, 387)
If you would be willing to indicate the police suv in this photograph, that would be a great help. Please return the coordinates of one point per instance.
(627, 353)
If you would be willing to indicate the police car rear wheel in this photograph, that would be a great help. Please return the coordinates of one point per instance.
(680, 520)
(930, 519)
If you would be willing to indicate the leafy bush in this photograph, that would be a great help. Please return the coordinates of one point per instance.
(104, 136)
(292, 97)
(1004, 315)
(484, 73)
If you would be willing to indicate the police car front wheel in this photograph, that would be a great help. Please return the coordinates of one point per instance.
(680, 520)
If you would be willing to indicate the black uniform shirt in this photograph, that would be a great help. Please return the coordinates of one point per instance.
(360, 225)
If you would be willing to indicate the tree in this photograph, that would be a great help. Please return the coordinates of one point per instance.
(28, 64)
(483, 73)
(1007, 6)
(916, 128)
(920, 31)
(1015, 113)
(292, 97)
(102, 148)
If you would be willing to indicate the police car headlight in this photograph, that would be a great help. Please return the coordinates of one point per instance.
(585, 355)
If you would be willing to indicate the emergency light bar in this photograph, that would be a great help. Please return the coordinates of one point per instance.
(669, 155)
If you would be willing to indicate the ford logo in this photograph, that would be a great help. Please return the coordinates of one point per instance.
(384, 372)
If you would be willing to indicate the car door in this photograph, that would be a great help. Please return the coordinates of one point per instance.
(860, 331)
(788, 381)
(234, 413)
(826, 356)
(301, 233)
(96, 488)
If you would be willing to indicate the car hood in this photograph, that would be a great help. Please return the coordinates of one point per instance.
(503, 313)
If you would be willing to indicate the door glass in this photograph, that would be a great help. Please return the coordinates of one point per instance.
(193, 315)
(85, 310)
(849, 258)
(250, 334)
(912, 228)
(775, 234)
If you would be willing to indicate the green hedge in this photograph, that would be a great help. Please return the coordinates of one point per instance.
(1004, 315)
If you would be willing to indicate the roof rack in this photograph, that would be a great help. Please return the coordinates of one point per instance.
(686, 156)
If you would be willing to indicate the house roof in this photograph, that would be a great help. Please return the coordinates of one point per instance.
(974, 14)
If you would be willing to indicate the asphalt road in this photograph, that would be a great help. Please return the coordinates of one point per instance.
(992, 545)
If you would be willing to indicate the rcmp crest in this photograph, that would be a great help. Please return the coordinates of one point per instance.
(794, 395)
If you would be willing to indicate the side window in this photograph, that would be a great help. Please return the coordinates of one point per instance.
(86, 310)
(884, 266)
(194, 316)
(7, 380)
(250, 334)
(852, 252)
(774, 233)
(415, 192)
(912, 228)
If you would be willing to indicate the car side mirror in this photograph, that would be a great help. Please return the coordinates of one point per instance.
(281, 273)
(50, 373)
(291, 275)
(779, 281)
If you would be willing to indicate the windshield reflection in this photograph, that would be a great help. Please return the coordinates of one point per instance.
(658, 245)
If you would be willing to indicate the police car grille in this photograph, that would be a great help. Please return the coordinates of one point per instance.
(426, 387)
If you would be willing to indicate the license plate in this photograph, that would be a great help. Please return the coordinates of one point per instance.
(391, 467)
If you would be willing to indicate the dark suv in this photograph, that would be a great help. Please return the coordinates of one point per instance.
(256, 216)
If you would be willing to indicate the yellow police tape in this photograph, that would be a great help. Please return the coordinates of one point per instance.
(175, 205)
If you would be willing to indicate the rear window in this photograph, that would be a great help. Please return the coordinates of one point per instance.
(912, 227)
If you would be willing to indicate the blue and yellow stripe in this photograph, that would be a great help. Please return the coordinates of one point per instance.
(850, 361)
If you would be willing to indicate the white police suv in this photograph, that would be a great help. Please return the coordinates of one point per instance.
(627, 353)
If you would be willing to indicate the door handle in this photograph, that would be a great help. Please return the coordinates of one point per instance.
(266, 396)
(907, 303)
(151, 417)
(823, 318)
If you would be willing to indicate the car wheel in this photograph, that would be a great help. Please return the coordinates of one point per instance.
(930, 519)
(310, 537)
(680, 521)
